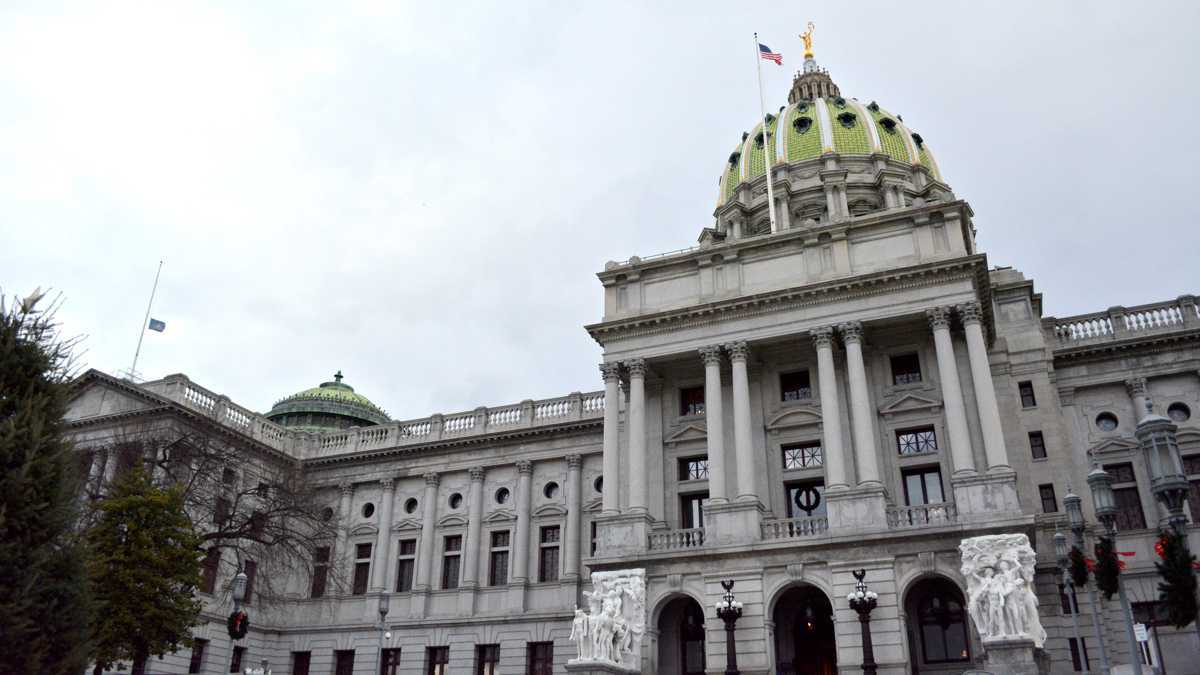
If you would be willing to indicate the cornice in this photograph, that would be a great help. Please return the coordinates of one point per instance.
(1140, 344)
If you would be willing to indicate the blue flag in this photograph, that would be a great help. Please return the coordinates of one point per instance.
(156, 325)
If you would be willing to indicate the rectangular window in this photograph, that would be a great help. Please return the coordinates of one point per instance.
(221, 511)
(498, 560)
(389, 662)
(906, 369)
(235, 663)
(251, 571)
(362, 569)
(487, 659)
(691, 401)
(593, 527)
(805, 500)
(451, 555)
(795, 386)
(197, 662)
(916, 441)
(406, 565)
(1191, 467)
(1080, 665)
(209, 569)
(1037, 445)
(803, 455)
(320, 571)
(437, 661)
(540, 658)
(1049, 503)
(1028, 400)
(923, 486)
(300, 662)
(691, 510)
(548, 553)
(693, 468)
(1126, 498)
(343, 662)
(1066, 594)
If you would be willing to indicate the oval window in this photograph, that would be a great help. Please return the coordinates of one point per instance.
(889, 125)
(847, 119)
(1106, 421)
(802, 124)
(327, 514)
(502, 495)
(1179, 412)
(551, 490)
(598, 484)
(410, 505)
(368, 510)
(455, 500)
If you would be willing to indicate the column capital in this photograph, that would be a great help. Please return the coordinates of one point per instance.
(387, 483)
(477, 474)
(970, 312)
(738, 351)
(636, 367)
(432, 479)
(524, 467)
(574, 462)
(822, 337)
(939, 318)
(610, 372)
(347, 488)
(1136, 387)
(851, 332)
(711, 355)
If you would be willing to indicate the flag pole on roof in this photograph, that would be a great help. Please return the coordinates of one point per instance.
(153, 324)
(763, 52)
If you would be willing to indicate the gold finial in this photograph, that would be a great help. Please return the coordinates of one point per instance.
(807, 37)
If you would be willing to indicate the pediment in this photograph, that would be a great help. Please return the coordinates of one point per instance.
(690, 432)
(452, 520)
(909, 402)
(500, 516)
(406, 525)
(364, 528)
(98, 395)
(1111, 446)
(798, 416)
(550, 510)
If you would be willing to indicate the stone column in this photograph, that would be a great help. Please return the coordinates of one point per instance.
(637, 435)
(831, 413)
(427, 547)
(743, 446)
(473, 544)
(611, 472)
(952, 398)
(985, 389)
(861, 415)
(379, 562)
(574, 523)
(714, 423)
(343, 533)
(1137, 391)
(520, 568)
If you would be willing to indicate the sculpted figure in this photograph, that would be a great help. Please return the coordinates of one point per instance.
(580, 634)
(611, 629)
(999, 570)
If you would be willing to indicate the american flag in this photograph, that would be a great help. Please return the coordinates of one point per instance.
(769, 55)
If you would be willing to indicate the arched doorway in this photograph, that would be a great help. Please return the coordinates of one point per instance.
(804, 637)
(681, 638)
(938, 637)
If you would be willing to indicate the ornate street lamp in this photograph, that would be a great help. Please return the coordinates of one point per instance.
(1063, 554)
(384, 634)
(863, 600)
(729, 610)
(1073, 504)
(1100, 483)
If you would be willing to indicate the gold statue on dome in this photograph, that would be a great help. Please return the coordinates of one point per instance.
(807, 37)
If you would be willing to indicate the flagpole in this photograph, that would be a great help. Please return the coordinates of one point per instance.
(142, 333)
(762, 106)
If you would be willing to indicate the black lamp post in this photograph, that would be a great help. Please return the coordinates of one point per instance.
(1074, 507)
(1100, 483)
(863, 600)
(729, 610)
(384, 633)
(1062, 553)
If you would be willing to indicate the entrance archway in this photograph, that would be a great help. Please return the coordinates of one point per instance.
(939, 639)
(804, 636)
(681, 638)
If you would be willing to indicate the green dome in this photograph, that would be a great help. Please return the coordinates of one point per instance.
(332, 405)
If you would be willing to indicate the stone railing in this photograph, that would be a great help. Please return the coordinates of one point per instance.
(1123, 322)
(922, 515)
(306, 445)
(675, 540)
(794, 528)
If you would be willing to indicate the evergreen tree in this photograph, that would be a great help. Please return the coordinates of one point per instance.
(1177, 590)
(43, 589)
(144, 570)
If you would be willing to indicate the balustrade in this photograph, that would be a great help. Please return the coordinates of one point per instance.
(1120, 322)
(672, 540)
(921, 515)
(794, 528)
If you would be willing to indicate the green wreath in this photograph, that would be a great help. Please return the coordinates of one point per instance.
(1079, 568)
(1177, 590)
(238, 624)
(1108, 570)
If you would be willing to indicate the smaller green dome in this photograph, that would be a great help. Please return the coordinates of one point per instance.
(330, 406)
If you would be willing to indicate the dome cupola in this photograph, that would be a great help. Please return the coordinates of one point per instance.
(332, 405)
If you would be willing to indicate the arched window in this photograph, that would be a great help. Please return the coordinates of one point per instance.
(943, 627)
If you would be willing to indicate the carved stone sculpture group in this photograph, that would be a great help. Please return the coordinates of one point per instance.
(611, 629)
(1001, 599)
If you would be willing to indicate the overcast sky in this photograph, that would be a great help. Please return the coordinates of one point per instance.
(420, 195)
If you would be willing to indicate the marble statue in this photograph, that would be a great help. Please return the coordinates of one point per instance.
(611, 629)
(1000, 593)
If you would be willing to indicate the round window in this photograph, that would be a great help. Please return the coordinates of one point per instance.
(368, 510)
(502, 495)
(455, 500)
(1106, 421)
(551, 490)
(598, 484)
(410, 505)
(327, 514)
(1179, 412)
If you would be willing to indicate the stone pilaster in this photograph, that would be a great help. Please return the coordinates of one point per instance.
(862, 417)
(831, 414)
(952, 398)
(426, 546)
(985, 389)
(611, 470)
(571, 571)
(382, 552)
(637, 435)
(743, 446)
(343, 533)
(714, 424)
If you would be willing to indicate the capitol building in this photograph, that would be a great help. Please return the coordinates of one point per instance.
(833, 378)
